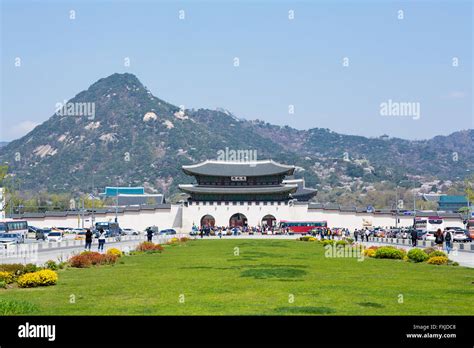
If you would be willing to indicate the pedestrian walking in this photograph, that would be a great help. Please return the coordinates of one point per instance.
(101, 240)
(356, 234)
(448, 240)
(88, 240)
(414, 237)
(439, 239)
(149, 234)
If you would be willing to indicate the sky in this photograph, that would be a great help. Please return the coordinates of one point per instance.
(328, 64)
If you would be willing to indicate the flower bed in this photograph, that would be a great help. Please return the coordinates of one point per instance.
(149, 247)
(438, 260)
(417, 255)
(44, 277)
(87, 259)
(389, 252)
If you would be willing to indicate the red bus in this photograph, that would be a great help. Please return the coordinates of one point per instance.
(302, 226)
(470, 227)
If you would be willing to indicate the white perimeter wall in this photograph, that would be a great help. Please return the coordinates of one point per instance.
(182, 218)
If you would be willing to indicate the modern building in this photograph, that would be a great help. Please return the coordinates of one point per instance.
(452, 203)
(132, 196)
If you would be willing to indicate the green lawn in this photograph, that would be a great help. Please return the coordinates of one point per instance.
(260, 281)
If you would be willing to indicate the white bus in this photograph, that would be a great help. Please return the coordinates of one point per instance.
(429, 224)
(14, 226)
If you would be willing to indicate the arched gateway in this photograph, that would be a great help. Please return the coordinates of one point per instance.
(208, 221)
(238, 219)
(269, 221)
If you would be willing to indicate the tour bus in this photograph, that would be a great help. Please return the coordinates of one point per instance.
(470, 227)
(111, 229)
(14, 226)
(302, 226)
(429, 224)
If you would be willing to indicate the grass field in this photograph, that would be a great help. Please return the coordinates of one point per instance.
(262, 280)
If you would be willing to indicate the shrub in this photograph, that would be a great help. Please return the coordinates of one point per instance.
(341, 242)
(31, 267)
(429, 250)
(50, 264)
(437, 253)
(388, 252)
(455, 264)
(183, 239)
(3, 284)
(417, 255)
(7, 277)
(369, 252)
(149, 247)
(18, 269)
(325, 242)
(15, 269)
(114, 251)
(173, 240)
(438, 260)
(87, 259)
(307, 239)
(80, 261)
(350, 240)
(44, 277)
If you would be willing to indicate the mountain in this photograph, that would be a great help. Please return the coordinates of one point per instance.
(118, 133)
(3, 143)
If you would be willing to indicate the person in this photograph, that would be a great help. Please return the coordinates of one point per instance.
(439, 239)
(101, 240)
(88, 240)
(219, 233)
(414, 237)
(367, 234)
(448, 239)
(356, 234)
(149, 234)
(201, 232)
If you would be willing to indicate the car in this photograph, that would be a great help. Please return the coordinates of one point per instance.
(11, 238)
(420, 234)
(429, 236)
(80, 235)
(54, 237)
(461, 236)
(32, 229)
(42, 233)
(168, 231)
(129, 231)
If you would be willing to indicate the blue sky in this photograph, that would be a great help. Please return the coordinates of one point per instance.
(282, 62)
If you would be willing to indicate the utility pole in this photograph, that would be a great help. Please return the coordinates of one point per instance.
(93, 200)
(116, 204)
(414, 204)
(396, 214)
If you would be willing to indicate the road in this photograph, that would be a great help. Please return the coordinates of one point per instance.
(31, 252)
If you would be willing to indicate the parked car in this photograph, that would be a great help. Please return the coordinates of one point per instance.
(461, 236)
(11, 238)
(32, 229)
(429, 236)
(129, 232)
(54, 237)
(42, 233)
(420, 234)
(80, 235)
(168, 231)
